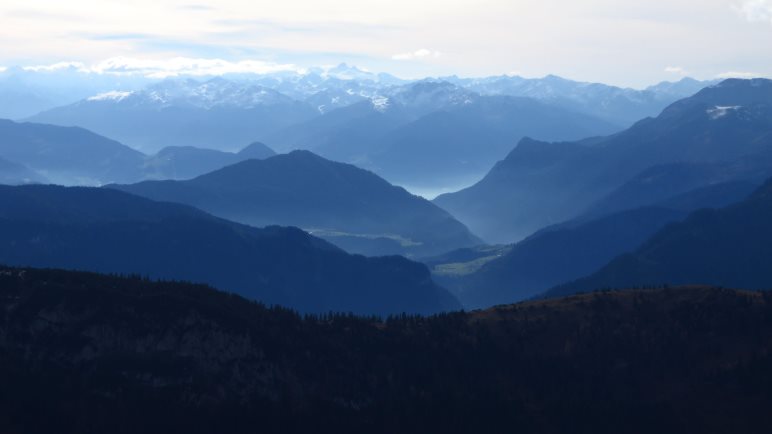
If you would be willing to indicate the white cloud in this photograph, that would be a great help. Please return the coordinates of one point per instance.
(3, 68)
(162, 68)
(423, 53)
(738, 74)
(676, 70)
(56, 67)
(756, 10)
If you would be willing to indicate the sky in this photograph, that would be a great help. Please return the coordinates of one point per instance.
(621, 42)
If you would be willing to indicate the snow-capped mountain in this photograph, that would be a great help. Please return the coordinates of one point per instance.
(217, 113)
(425, 97)
(189, 93)
(622, 106)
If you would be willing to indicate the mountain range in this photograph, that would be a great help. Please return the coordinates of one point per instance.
(41, 153)
(620, 106)
(186, 162)
(397, 128)
(574, 249)
(351, 207)
(69, 155)
(430, 134)
(731, 246)
(217, 114)
(539, 184)
(110, 231)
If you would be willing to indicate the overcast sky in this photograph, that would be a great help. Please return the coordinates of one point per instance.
(623, 42)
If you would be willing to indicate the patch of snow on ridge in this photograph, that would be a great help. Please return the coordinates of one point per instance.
(113, 95)
(380, 103)
(721, 111)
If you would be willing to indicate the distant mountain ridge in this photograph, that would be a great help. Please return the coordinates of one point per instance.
(731, 246)
(378, 117)
(433, 133)
(186, 162)
(620, 106)
(75, 156)
(109, 231)
(216, 114)
(69, 155)
(576, 248)
(349, 206)
(540, 184)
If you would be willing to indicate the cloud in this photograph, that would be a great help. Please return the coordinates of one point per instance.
(676, 70)
(738, 74)
(756, 10)
(57, 67)
(162, 68)
(3, 68)
(196, 7)
(118, 36)
(423, 53)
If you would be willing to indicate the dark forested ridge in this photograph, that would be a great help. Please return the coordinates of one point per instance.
(106, 230)
(86, 353)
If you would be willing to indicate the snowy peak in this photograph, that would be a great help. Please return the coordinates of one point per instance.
(431, 94)
(217, 92)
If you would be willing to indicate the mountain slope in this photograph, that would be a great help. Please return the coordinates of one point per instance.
(16, 174)
(553, 257)
(69, 155)
(342, 203)
(465, 141)
(431, 134)
(574, 249)
(186, 162)
(216, 114)
(729, 246)
(663, 182)
(84, 353)
(110, 231)
(540, 184)
(622, 107)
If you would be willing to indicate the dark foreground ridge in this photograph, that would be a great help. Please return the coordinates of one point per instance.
(87, 353)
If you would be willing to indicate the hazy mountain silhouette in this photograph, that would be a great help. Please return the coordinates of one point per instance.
(216, 114)
(434, 133)
(352, 207)
(663, 182)
(86, 353)
(731, 246)
(623, 107)
(110, 231)
(69, 155)
(540, 184)
(574, 249)
(186, 162)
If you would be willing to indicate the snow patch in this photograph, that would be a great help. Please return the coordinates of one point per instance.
(721, 111)
(113, 95)
(380, 103)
